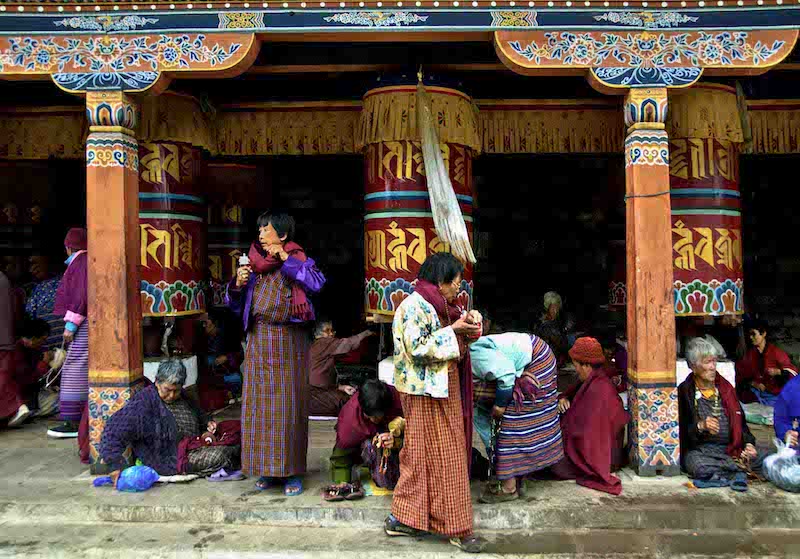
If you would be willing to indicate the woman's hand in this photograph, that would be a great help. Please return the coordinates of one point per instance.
(461, 326)
(474, 317)
(749, 452)
(709, 425)
(349, 390)
(243, 275)
(385, 440)
(211, 427)
(773, 372)
(68, 336)
(791, 438)
(563, 405)
(759, 386)
(498, 412)
(221, 360)
(277, 250)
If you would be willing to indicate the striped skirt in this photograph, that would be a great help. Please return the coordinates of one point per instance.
(529, 439)
(74, 391)
(274, 405)
(433, 491)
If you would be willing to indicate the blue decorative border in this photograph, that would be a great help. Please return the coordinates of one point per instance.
(455, 19)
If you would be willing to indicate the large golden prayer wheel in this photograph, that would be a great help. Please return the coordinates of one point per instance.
(173, 230)
(705, 134)
(398, 226)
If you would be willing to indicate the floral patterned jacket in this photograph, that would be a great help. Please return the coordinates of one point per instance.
(422, 349)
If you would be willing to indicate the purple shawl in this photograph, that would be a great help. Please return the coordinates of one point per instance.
(72, 292)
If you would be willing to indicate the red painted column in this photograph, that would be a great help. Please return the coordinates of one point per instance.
(652, 396)
(112, 207)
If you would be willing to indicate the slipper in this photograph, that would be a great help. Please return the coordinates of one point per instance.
(333, 493)
(739, 482)
(469, 544)
(223, 475)
(264, 483)
(293, 487)
(354, 491)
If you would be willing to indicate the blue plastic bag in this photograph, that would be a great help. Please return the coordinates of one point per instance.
(132, 480)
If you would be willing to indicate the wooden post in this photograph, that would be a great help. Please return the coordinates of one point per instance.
(112, 210)
(652, 396)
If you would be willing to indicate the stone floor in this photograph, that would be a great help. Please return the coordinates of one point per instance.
(45, 492)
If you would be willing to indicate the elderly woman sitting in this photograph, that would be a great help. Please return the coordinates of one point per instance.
(717, 448)
(164, 430)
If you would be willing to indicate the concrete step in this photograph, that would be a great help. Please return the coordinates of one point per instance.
(171, 540)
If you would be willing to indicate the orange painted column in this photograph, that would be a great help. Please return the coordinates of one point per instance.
(112, 219)
(652, 395)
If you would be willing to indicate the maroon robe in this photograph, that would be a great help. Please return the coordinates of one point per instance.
(353, 427)
(590, 430)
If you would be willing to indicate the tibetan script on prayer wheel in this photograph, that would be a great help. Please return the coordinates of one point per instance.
(399, 229)
(172, 229)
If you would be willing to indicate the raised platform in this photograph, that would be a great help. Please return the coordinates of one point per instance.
(47, 491)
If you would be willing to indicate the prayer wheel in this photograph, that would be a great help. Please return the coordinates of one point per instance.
(398, 226)
(173, 230)
(704, 143)
(228, 221)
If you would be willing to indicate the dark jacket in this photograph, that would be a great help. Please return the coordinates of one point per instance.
(149, 428)
(691, 437)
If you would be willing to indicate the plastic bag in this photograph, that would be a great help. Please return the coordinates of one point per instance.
(783, 468)
(132, 480)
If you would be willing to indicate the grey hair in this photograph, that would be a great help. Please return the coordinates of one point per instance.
(171, 371)
(320, 326)
(698, 349)
(550, 298)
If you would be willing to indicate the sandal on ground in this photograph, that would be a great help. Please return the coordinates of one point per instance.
(522, 491)
(354, 491)
(293, 487)
(264, 483)
(739, 482)
(494, 494)
(223, 475)
(469, 544)
(334, 493)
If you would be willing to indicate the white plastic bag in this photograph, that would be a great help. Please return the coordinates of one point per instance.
(783, 468)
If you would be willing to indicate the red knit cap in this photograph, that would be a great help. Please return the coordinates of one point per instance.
(76, 239)
(587, 350)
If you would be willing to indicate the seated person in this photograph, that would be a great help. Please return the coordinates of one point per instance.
(554, 327)
(221, 377)
(328, 397)
(616, 365)
(787, 413)
(592, 423)
(764, 369)
(516, 377)
(716, 443)
(369, 413)
(159, 422)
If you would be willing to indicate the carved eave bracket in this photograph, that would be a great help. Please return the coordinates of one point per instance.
(130, 63)
(615, 61)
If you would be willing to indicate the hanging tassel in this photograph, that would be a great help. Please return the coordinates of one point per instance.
(447, 216)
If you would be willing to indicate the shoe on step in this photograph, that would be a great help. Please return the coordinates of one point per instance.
(394, 527)
(469, 544)
(67, 430)
(19, 418)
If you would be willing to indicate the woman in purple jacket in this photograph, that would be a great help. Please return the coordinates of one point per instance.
(271, 295)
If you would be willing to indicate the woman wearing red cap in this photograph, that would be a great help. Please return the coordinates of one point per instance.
(592, 423)
(71, 303)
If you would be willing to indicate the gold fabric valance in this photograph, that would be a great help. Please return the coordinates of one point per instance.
(41, 134)
(276, 130)
(705, 111)
(172, 117)
(390, 114)
(775, 126)
(555, 127)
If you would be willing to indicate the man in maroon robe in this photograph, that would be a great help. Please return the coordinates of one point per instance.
(327, 396)
(592, 423)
